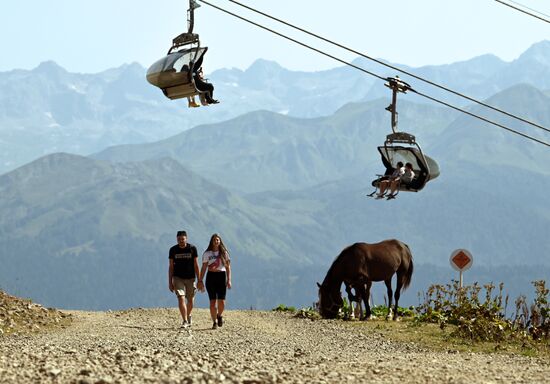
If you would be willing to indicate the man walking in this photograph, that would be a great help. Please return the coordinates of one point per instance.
(183, 270)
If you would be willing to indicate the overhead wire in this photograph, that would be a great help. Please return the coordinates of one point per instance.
(374, 74)
(294, 40)
(393, 67)
(480, 117)
(517, 8)
(531, 9)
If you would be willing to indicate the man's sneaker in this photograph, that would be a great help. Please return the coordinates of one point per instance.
(185, 324)
(189, 320)
(214, 325)
(220, 321)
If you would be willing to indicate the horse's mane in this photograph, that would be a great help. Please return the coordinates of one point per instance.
(332, 268)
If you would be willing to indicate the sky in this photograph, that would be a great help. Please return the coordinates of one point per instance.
(89, 36)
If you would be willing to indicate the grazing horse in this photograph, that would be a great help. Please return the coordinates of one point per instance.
(358, 266)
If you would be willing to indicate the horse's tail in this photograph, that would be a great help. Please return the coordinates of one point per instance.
(408, 275)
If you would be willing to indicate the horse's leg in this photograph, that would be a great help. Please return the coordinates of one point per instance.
(390, 296)
(366, 299)
(397, 295)
(351, 299)
(360, 291)
(358, 309)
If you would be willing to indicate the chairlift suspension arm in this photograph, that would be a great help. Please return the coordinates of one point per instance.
(191, 15)
(187, 38)
(393, 110)
(396, 85)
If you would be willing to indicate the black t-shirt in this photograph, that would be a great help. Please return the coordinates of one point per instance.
(184, 263)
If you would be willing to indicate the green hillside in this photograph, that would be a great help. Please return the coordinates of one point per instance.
(287, 195)
(264, 151)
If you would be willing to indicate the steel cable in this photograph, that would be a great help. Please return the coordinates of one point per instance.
(380, 77)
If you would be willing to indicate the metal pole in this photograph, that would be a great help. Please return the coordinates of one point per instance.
(190, 17)
(460, 279)
(394, 109)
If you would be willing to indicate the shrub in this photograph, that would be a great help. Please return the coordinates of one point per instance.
(536, 318)
(284, 308)
(483, 319)
(308, 313)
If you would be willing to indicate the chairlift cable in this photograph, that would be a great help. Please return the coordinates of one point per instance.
(294, 40)
(524, 11)
(392, 67)
(531, 9)
(374, 74)
(480, 117)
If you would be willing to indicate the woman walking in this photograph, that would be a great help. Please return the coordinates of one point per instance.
(218, 279)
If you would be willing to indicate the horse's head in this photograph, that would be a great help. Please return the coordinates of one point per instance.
(330, 301)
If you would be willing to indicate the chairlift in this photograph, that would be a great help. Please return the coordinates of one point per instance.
(403, 147)
(174, 73)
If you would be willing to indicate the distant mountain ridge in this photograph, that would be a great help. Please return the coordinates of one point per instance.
(287, 193)
(48, 109)
(116, 198)
(263, 150)
(82, 232)
(95, 220)
(103, 227)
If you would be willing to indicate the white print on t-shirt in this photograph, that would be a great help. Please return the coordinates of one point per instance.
(214, 261)
(186, 255)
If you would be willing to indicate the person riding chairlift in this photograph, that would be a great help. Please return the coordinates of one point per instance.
(384, 184)
(205, 87)
(400, 175)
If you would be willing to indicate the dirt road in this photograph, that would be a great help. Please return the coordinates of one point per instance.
(146, 346)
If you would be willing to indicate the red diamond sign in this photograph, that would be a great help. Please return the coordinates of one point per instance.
(461, 259)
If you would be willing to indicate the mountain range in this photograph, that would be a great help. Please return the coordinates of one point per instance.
(285, 187)
(48, 109)
(81, 231)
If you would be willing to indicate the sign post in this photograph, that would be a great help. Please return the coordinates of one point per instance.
(461, 260)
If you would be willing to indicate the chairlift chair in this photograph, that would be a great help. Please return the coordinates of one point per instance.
(402, 146)
(173, 74)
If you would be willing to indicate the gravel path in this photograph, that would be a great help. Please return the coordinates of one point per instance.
(141, 346)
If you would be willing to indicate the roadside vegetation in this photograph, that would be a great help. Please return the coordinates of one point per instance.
(303, 313)
(477, 316)
(473, 318)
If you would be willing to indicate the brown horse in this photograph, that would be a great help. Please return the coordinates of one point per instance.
(358, 266)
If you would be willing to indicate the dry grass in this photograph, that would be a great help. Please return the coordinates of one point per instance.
(430, 336)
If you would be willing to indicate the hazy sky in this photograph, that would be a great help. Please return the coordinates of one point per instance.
(93, 35)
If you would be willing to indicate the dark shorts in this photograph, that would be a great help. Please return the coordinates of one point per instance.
(216, 285)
